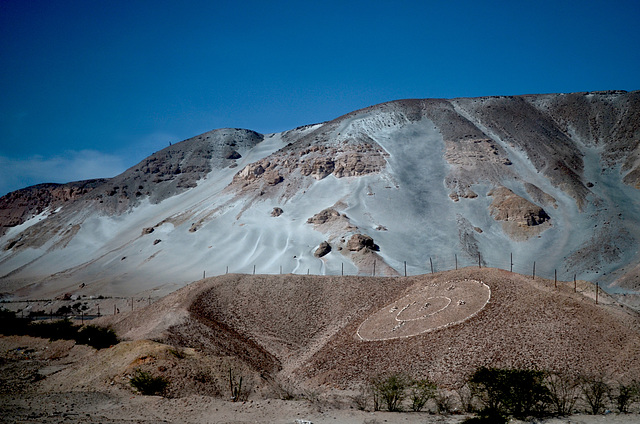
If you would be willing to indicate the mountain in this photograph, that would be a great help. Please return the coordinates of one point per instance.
(546, 182)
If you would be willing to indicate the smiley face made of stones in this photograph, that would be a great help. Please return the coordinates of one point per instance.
(428, 308)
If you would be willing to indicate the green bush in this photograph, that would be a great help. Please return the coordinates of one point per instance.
(389, 390)
(147, 384)
(519, 393)
(420, 392)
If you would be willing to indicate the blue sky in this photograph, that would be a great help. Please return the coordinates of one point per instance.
(91, 87)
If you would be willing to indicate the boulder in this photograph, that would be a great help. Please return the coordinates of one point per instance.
(322, 250)
(358, 242)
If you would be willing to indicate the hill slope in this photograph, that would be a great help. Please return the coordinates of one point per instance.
(552, 179)
(306, 328)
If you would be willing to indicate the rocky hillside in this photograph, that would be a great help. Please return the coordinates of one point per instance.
(411, 184)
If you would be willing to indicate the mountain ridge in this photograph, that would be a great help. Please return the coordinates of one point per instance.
(570, 164)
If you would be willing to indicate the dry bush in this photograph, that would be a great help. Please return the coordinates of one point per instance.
(564, 391)
(595, 392)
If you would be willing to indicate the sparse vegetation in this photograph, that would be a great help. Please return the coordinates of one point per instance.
(595, 392)
(624, 395)
(147, 384)
(420, 392)
(92, 335)
(510, 392)
(564, 391)
(235, 387)
(389, 390)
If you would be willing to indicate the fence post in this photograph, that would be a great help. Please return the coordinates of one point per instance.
(405, 268)
(479, 265)
(534, 270)
(555, 278)
(597, 287)
(431, 262)
(204, 274)
(374, 267)
(575, 285)
(280, 269)
(254, 270)
(342, 271)
(511, 261)
(307, 271)
(456, 256)
(227, 271)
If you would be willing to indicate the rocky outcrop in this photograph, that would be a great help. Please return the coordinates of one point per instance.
(324, 216)
(18, 206)
(521, 218)
(357, 242)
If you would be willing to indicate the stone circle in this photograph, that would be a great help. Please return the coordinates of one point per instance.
(429, 308)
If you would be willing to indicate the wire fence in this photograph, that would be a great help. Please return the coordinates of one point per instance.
(83, 308)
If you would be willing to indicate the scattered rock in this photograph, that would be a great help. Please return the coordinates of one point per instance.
(276, 212)
(156, 241)
(147, 230)
(322, 250)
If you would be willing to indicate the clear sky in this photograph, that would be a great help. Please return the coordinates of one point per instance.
(91, 87)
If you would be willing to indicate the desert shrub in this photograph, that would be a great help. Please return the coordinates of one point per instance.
(11, 325)
(390, 390)
(420, 392)
(62, 329)
(465, 395)
(520, 393)
(595, 392)
(97, 337)
(64, 310)
(444, 403)
(624, 395)
(564, 391)
(361, 399)
(147, 384)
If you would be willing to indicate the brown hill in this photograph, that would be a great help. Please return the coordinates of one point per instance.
(304, 328)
